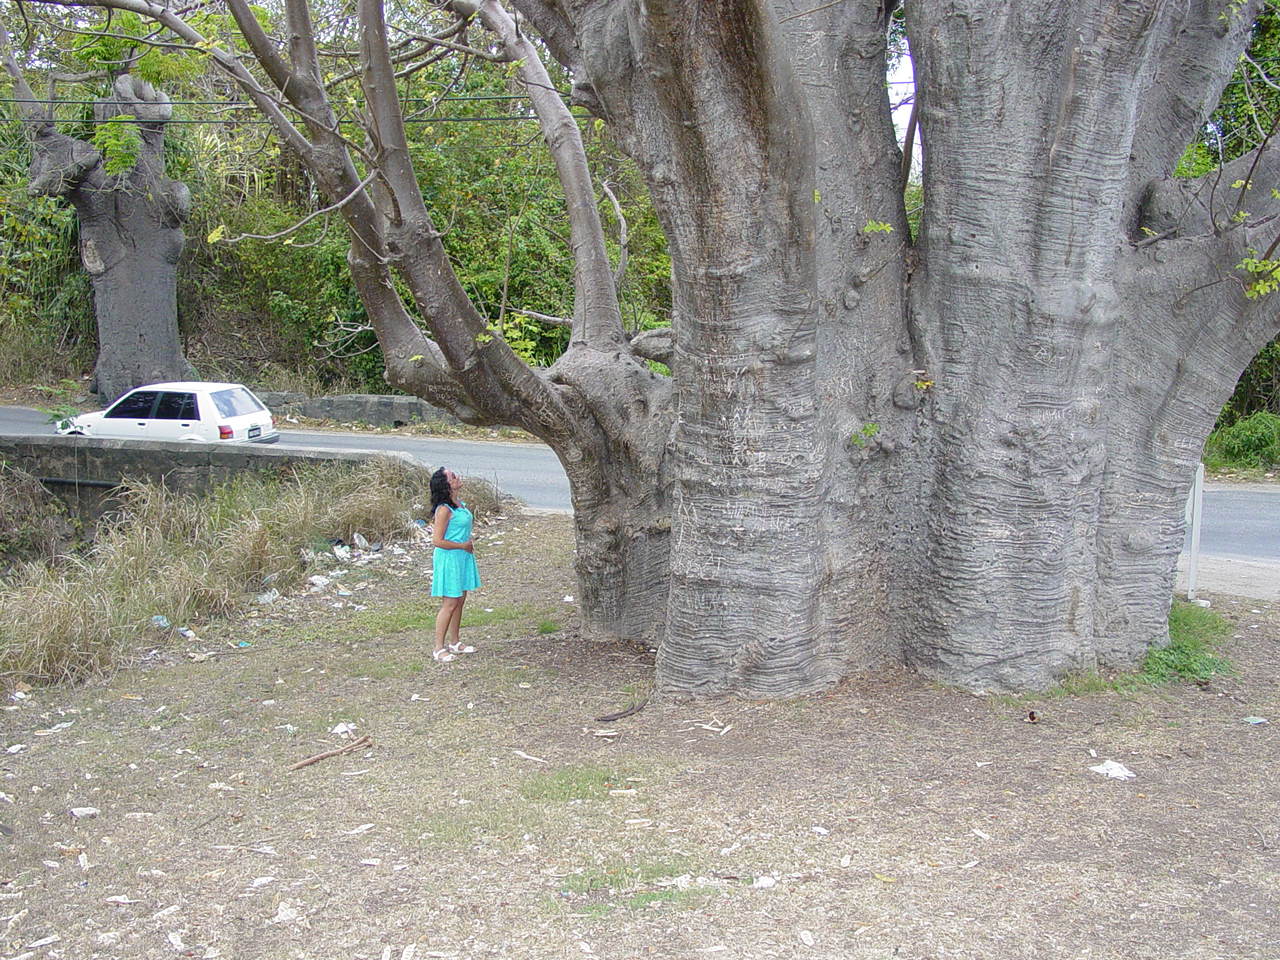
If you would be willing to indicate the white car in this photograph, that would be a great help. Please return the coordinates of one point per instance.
(180, 411)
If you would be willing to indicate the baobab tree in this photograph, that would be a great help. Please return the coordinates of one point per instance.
(966, 450)
(130, 217)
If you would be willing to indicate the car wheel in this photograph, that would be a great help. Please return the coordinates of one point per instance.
(75, 433)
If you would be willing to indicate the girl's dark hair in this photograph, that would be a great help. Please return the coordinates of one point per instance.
(440, 492)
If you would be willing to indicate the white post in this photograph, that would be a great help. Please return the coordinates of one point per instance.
(1194, 504)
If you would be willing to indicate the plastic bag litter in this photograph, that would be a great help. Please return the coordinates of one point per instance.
(1116, 771)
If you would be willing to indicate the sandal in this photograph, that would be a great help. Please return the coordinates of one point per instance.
(442, 655)
(461, 647)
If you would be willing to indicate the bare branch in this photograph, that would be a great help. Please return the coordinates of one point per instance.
(656, 344)
(598, 318)
(302, 40)
(260, 45)
(545, 318)
(620, 270)
(909, 143)
(308, 218)
(1201, 46)
(27, 100)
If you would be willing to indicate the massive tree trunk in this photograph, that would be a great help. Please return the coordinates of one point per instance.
(130, 232)
(130, 240)
(969, 452)
(965, 451)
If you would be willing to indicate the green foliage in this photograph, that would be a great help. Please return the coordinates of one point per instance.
(860, 436)
(1197, 160)
(119, 44)
(46, 311)
(1258, 389)
(913, 199)
(1250, 442)
(254, 305)
(877, 226)
(119, 141)
(1265, 275)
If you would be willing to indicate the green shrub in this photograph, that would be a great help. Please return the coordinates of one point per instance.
(1251, 442)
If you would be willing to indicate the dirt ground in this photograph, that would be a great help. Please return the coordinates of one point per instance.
(155, 815)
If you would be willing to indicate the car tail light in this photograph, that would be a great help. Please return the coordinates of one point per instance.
(225, 432)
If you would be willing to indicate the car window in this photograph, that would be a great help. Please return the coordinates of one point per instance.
(176, 406)
(235, 402)
(134, 406)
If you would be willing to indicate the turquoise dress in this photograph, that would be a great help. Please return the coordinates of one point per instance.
(453, 572)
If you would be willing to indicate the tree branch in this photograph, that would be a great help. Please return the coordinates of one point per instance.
(260, 45)
(544, 317)
(26, 97)
(597, 316)
(555, 27)
(1185, 208)
(1201, 43)
(498, 383)
(620, 270)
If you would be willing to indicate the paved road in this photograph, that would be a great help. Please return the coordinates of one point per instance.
(1241, 522)
(529, 471)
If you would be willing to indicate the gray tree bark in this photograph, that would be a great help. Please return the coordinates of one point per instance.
(130, 227)
(965, 451)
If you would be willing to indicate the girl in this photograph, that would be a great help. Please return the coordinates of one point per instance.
(453, 564)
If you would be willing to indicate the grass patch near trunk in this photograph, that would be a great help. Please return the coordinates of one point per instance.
(1190, 656)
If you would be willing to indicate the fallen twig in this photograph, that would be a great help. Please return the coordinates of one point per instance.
(365, 741)
(629, 712)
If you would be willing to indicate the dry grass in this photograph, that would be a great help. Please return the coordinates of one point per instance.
(33, 523)
(187, 558)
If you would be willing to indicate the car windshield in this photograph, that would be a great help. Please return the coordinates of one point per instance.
(236, 402)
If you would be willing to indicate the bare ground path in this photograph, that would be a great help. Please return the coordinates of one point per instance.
(493, 817)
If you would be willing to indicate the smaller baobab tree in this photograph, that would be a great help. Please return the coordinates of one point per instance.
(130, 213)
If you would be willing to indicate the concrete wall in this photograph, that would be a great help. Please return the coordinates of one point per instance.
(373, 409)
(85, 471)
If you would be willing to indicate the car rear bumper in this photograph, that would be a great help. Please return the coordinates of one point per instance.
(266, 438)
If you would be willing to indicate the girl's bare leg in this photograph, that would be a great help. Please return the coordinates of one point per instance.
(450, 610)
(455, 621)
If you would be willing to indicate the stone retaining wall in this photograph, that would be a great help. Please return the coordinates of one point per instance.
(373, 409)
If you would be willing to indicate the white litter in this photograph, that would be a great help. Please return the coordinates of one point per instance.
(1116, 771)
(54, 729)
